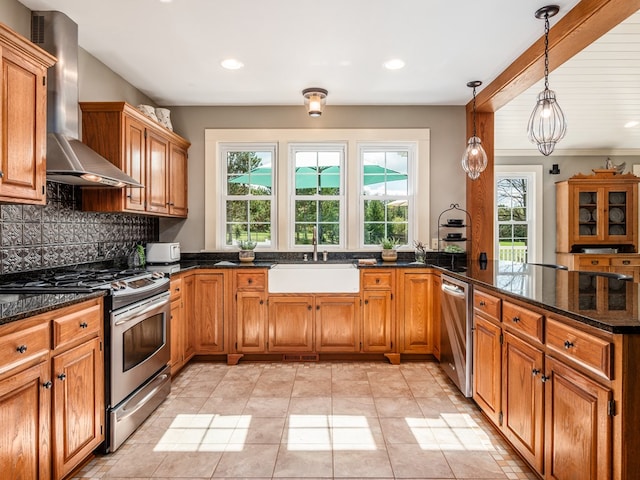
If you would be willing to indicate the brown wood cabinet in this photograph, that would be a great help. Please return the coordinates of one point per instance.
(599, 209)
(25, 407)
(146, 151)
(51, 391)
(23, 119)
(415, 311)
(251, 310)
(436, 314)
(337, 322)
(487, 361)
(291, 320)
(210, 313)
(378, 317)
(78, 405)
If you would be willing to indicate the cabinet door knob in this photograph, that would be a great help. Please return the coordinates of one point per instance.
(515, 319)
(62, 376)
(1, 174)
(250, 281)
(366, 302)
(261, 302)
(84, 325)
(47, 385)
(568, 344)
(317, 307)
(308, 307)
(377, 280)
(535, 372)
(482, 304)
(21, 349)
(544, 378)
(177, 289)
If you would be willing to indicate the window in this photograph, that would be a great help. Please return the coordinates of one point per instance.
(275, 184)
(385, 200)
(249, 199)
(519, 213)
(318, 197)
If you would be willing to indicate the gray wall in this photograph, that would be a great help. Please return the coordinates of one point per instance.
(447, 126)
(569, 166)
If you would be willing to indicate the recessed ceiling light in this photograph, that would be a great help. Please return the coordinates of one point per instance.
(231, 64)
(394, 64)
(631, 124)
(166, 1)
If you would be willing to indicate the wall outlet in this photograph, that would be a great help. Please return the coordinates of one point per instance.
(434, 244)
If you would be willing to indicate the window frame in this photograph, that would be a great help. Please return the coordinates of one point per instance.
(224, 149)
(411, 147)
(295, 147)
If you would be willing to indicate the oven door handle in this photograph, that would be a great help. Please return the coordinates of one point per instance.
(146, 309)
(160, 380)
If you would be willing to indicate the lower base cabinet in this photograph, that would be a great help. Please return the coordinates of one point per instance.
(25, 412)
(337, 324)
(487, 374)
(78, 405)
(290, 323)
(209, 313)
(579, 425)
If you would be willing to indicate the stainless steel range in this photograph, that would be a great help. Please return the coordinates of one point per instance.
(137, 311)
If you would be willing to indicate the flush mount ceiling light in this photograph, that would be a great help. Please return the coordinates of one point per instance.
(474, 160)
(547, 125)
(314, 99)
(394, 64)
(231, 64)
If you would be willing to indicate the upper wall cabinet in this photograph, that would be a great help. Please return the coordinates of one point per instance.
(23, 119)
(146, 151)
(597, 210)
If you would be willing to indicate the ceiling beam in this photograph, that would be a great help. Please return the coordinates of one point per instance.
(585, 23)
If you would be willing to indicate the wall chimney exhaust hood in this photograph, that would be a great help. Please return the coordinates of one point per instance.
(68, 159)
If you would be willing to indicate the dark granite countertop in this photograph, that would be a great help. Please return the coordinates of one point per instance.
(595, 299)
(18, 306)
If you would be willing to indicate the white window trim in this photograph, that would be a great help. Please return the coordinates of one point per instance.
(317, 147)
(282, 137)
(246, 147)
(412, 148)
(534, 173)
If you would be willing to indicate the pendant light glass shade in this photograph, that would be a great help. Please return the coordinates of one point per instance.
(547, 125)
(474, 160)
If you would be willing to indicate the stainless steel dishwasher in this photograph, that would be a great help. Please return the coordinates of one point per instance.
(456, 339)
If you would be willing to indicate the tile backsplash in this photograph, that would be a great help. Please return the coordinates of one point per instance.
(58, 234)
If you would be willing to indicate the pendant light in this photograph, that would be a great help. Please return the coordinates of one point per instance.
(547, 125)
(474, 160)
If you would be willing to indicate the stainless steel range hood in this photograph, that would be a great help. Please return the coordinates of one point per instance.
(68, 159)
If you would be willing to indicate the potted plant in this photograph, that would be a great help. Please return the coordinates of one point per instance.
(246, 253)
(389, 253)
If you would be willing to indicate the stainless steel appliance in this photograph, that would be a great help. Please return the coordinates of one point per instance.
(456, 339)
(139, 378)
(137, 352)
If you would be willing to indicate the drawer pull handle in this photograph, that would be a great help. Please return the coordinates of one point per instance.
(21, 349)
(366, 302)
(261, 302)
(84, 325)
(515, 319)
(377, 280)
(544, 378)
(482, 304)
(535, 372)
(250, 281)
(568, 344)
(595, 262)
(62, 377)
(177, 289)
(47, 385)
(317, 307)
(308, 307)
(626, 262)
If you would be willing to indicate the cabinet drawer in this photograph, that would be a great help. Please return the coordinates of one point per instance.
(175, 288)
(519, 319)
(591, 352)
(20, 347)
(487, 304)
(250, 280)
(626, 261)
(77, 323)
(590, 262)
(377, 280)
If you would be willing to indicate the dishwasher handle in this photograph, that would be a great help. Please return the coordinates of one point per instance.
(452, 290)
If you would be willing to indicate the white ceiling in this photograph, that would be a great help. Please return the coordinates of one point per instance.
(172, 51)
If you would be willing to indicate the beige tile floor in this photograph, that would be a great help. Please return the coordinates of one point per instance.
(312, 420)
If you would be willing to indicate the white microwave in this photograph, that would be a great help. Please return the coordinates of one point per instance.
(163, 252)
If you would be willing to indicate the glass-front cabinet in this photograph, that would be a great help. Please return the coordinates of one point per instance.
(597, 211)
